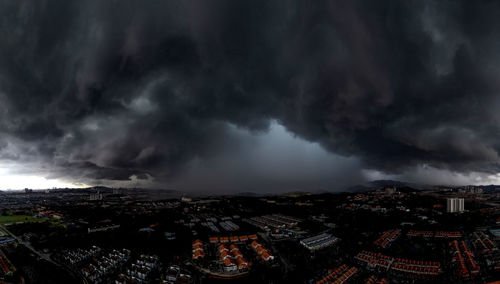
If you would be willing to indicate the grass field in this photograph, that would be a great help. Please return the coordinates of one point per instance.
(18, 218)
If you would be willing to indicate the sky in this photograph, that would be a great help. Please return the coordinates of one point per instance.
(261, 96)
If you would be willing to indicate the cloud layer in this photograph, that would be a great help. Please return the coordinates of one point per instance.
(116, 90)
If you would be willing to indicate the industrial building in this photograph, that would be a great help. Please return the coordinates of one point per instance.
(319, 241)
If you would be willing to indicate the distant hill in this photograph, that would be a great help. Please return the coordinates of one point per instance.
(387, 183)
(358, 188)
(248, 194)
(377, 184)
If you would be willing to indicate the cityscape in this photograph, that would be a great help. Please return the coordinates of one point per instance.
(249, 141)
(387, 233)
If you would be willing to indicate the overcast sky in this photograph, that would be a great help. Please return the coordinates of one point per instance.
(263, 96)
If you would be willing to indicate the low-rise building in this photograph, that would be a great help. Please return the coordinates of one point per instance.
(319, 242)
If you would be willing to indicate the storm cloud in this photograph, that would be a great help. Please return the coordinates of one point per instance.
(101, 91)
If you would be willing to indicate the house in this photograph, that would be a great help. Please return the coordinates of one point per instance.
(266, 256)
(242, 263)
(229, 265)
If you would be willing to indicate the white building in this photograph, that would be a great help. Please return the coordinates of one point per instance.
(95, 196)
(319, 241)
(455, 205)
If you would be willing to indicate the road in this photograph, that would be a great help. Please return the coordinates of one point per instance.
(28, 245)
(40, 254)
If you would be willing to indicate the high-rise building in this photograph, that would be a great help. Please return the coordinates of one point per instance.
(95, 196)
(455, 205)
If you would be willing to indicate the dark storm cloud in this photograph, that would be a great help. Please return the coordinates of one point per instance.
(114, 89)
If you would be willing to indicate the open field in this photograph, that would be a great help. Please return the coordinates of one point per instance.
(18, 218)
